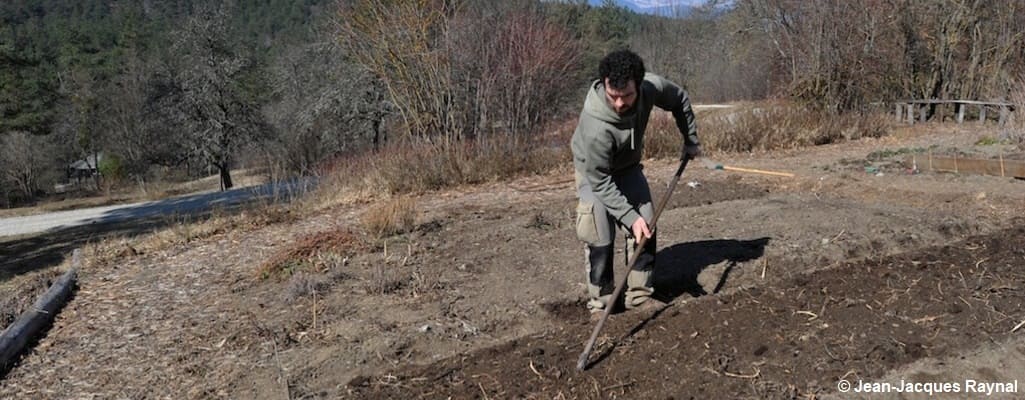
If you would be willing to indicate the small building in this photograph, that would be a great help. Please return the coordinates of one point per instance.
(84, 169)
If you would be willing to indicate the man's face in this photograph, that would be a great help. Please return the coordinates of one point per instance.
(622, 100)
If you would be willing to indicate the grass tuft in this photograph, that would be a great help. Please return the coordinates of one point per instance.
(392, 217)
(303, 284)
(321, 251)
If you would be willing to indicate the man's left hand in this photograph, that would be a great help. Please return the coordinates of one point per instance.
(694, 151)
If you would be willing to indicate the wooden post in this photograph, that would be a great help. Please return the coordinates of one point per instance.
(896, 111)
(960, 112)
(1003, 115)
(1002, 164)
(911, 113)
(925, 109)
(982, 113)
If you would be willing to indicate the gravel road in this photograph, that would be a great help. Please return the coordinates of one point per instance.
(183, 205)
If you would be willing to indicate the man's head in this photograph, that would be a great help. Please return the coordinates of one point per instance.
(622, 71)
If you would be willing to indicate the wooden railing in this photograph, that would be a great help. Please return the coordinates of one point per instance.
(904, 110)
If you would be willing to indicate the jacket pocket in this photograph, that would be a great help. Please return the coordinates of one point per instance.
(587, 229)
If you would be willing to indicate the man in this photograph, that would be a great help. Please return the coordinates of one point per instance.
(607, 148)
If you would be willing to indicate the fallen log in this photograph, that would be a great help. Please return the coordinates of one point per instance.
(19, 334)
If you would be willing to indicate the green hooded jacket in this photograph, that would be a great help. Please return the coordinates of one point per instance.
(606, 143)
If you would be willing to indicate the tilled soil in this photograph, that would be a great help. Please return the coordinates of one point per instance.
(786, 340)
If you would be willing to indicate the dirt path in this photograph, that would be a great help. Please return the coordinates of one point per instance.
(771, 277)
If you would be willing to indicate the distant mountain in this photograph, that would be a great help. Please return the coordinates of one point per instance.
(670, 8)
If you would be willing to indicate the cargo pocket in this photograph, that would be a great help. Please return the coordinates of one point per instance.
(587, 230)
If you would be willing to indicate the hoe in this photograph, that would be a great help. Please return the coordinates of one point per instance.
(582, 363)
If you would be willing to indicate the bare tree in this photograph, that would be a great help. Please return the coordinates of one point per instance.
(125, 114)
(514, 68)
(401, 42)
(460, 72)
(842, 55)
(25, 162)
(323, 105)
(207, 98)
(85, 117)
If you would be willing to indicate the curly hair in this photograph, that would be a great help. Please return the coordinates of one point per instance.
(620, 67)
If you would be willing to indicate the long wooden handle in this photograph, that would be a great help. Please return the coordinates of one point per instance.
(582, 362)
(758, 171)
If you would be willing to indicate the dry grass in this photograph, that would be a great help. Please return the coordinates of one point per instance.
(182, 230)
(423, 284)
(392, 217)
(304, 284)
(401, 279)
(414, 169)
(404, 168)
(19, 294)
(385, 280)
(763, 126)
(320, 252)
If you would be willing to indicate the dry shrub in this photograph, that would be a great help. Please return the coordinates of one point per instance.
(388, 279)
(317, 251)
(303, 283)
(264, 215)
(432, 167)
(515, 65)
(417, 167)
(385, 280)
(392, 217)
(423, 283)
(456, 72)
(326, 269)
(763, 126)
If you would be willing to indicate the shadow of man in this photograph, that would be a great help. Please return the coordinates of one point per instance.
(677, 267)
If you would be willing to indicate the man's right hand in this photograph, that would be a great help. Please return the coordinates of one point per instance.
(640, 229)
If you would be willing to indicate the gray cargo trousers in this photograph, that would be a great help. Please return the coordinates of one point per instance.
(597, 228)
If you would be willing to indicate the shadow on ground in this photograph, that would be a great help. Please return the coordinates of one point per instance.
(33, 252)
(676, 273)
(27, 253)
(677, 267)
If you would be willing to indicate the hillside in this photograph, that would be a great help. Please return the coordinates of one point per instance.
(43, 40)
(771, 281)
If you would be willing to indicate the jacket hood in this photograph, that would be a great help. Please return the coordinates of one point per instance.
(596, 106)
